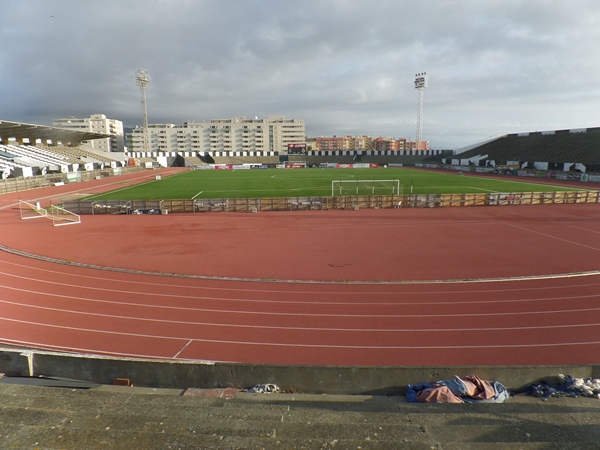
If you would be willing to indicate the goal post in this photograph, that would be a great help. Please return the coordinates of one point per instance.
(365, 187)
(295, 165)
(58, 215)
(30, 210)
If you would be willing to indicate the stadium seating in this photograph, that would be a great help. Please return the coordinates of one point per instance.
(562, 146)
(34, 153)
(193, 161)
(10, 159)
(15, 158)
(78, 154)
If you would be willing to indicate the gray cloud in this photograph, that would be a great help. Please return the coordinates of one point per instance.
(344, 66)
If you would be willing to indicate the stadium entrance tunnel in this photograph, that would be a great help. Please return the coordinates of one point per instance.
(206, 158)
(178, 161)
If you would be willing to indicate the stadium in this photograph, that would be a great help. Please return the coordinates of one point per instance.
(360, 275)
(368, 238)
(344, 278)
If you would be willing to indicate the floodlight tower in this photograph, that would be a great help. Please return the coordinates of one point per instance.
(420, 85)
(141, 80)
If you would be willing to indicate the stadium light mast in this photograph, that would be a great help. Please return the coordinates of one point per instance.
(420, 85)
(141, 80)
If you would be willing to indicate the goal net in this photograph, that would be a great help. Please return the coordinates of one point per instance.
(295, 165)
(365, 187)
(59, 216)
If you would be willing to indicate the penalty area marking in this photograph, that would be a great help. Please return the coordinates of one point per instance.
(197, 195)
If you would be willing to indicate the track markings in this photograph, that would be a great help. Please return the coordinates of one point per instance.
(554, 237)
(182, 349)
(314, 314)
(344, 288)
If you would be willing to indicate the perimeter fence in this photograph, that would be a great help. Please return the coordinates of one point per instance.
(328, 203)
(20, 184)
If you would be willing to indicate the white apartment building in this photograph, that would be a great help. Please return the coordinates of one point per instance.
(97, 123)
(237, 136)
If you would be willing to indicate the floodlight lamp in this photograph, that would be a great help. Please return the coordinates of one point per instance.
(141, 78)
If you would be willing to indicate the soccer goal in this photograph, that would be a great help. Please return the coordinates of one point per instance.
(365, 187)
(59, 216)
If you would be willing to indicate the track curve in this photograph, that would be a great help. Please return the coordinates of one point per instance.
(363, 315)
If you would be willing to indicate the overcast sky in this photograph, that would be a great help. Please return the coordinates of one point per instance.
(344, 66)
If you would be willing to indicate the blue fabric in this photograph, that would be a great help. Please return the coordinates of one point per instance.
(413, 390)
(455, 385)
(568, 388)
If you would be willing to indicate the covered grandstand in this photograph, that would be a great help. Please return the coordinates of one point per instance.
(575, 150)
(28, 150)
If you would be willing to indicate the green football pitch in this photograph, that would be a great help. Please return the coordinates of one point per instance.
(316, 182)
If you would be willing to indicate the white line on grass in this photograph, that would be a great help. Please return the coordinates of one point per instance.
(119, 190)
(481, 189)
(197, 195)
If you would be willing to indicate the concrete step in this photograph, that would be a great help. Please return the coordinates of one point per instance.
(34, 416)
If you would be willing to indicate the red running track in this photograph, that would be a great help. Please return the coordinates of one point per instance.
(387, 304)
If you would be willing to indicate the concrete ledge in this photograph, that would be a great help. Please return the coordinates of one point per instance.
(15, 362)
(300, 379)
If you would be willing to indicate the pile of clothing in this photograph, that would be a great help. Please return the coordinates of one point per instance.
(265, 389)
(566, 386)
(469, 389)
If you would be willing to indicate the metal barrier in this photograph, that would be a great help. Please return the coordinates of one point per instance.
(328, 203)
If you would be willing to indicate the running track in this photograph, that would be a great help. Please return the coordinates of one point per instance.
(369, 287)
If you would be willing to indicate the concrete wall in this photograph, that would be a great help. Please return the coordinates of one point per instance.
(301, 379)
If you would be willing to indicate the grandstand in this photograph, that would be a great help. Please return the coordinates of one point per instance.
(311, 159)
(28, 150)
(564, 150)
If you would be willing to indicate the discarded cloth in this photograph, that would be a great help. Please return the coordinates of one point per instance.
(566, 386)
(470, 389)
(265, 389)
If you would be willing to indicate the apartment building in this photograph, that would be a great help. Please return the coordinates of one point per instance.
(359, 142)
(367, 143)
(237, 135)
(330, 143)
(97, 123)
(384, 143)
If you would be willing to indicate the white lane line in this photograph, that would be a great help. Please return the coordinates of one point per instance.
(278, 302)
(313, 345)
(189, 340)
(315, 292)
(312, 329)
(106, 279)
(580, 228)
(289, 314)
(518, 278)
(86, 351)
(182, 349)
(398, 347)
(553, 237)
